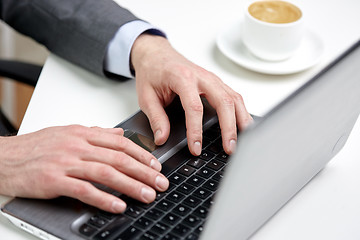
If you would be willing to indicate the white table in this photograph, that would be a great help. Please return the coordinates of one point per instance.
(327, 208)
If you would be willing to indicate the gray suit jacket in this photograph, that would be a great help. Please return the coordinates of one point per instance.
(77, 30)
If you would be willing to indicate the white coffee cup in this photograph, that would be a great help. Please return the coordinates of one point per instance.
(279, 32)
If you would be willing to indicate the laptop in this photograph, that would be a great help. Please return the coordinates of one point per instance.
(216, 196)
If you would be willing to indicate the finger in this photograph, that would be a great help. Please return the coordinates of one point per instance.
(224, 105)
(243, 118)
(128, 166)
(110, 177)
(122, 144)
(193, 107)
(115, 130)
(89, 194)
(151, 105)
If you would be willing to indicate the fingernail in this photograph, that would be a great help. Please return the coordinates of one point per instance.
(162, 183)
(232, 145)
(118, 206)
(155, 164)
(148, 194)
(197, 148)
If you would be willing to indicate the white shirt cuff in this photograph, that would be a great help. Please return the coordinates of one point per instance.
(117, 58)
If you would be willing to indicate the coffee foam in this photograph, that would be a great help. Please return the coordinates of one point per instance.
(275, 11)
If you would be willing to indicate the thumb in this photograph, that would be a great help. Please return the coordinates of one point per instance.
(151, 105)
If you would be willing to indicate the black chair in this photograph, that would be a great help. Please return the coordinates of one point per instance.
(22, 72)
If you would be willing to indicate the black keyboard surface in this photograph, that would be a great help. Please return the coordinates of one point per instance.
(178, 213)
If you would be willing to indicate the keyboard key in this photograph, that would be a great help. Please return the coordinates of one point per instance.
(171, 187)
(196, 162)
(176, 178)
(169, 236)
(192, 236)
(97, 221)
(195, 180)
(223, 157)
(218, 176)
(192, 201)
(202, 193)
(211, 185)
(129, 234)
(175, 197)
(205, 172)
(186, 170)
(185, 188)
(206, 155)
(87, 230)
(201, 212)
(134, 211)
(160, 195)
(215, 165)
(165, 205)
(191, 221)
(149, 236)
(154, 214)
(181, 210)
(170, 219)
(143, 223)
(209, 202)
(159, 228)
(181, 230)
(199, 229)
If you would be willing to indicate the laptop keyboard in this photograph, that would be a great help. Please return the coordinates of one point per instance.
(178, 213)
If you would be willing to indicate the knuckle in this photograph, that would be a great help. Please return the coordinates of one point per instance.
(196, 106)
(104, 172)
(47, 178)
(123, 142)
(144, 158)
(247, 121)
(238, 97)
(182, 77)
(76, 129)
(228, 101)
(102, 201)
(74, 148)
(122, 160)
(156, 120)
(195, 133)
(184, 71)
(134, 190)
(82, 190)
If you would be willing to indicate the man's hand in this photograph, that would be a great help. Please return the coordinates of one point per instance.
(60, 161)
(162, 73)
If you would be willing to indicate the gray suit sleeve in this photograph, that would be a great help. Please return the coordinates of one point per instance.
(77, 30)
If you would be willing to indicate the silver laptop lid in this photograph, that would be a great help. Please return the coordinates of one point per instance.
(280, 154)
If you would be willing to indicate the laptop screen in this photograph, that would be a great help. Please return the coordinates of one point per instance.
(279, 155)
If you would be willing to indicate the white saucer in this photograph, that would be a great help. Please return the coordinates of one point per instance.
(308, 54)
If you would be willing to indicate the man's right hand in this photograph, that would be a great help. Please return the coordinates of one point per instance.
(61, 161)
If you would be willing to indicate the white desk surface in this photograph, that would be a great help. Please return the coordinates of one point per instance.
(327, 208)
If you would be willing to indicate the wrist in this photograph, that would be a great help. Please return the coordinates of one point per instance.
(145, 46)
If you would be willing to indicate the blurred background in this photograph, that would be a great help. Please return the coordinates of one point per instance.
(14, 97)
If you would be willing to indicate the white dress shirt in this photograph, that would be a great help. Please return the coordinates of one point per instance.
(117, 58)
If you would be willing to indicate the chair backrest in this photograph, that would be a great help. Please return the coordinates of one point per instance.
(21, 72)
(6, 128)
